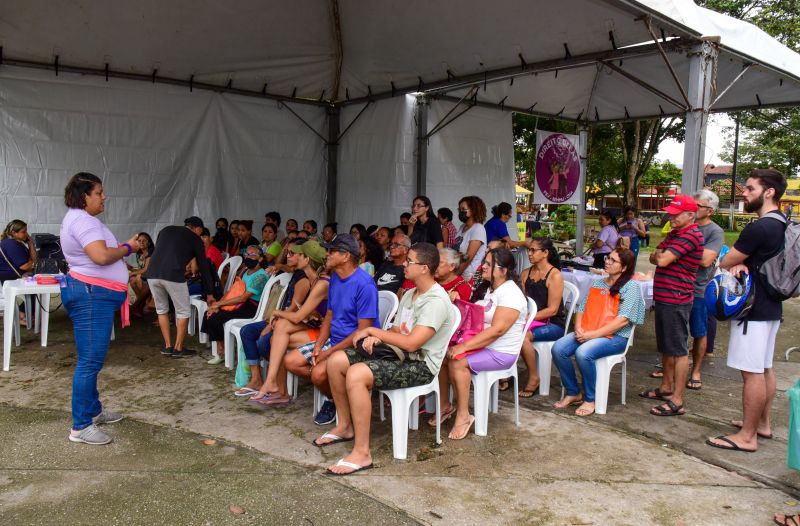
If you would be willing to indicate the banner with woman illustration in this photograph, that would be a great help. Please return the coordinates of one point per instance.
(558, 168)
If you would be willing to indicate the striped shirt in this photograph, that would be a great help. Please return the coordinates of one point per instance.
(674, 284)
(452, 236)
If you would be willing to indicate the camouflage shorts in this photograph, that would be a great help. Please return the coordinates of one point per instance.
(391, 374)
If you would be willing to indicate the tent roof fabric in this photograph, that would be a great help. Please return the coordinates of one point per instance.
(337, 51)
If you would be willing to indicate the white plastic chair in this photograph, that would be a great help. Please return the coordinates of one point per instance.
(387, 308)
(198, 305)
(233, 328)
(603, 367)
(405, 405)
(485, 386)
(544, 361)
(15, 314)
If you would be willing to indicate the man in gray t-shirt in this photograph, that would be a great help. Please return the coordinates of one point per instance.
(713, 240)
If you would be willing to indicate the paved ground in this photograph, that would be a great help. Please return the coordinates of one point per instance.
(625, 467)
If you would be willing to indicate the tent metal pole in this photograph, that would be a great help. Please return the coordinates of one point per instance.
(583, 148)
(702, 67)
(332, 146)
(422, 145)
(645, 85)
(301, 119)
(443, 123)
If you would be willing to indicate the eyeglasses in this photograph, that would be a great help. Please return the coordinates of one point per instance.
(537, 249)
(396, 245)
(706, 207)
(418, 205)
(609, 259)
(408, 262)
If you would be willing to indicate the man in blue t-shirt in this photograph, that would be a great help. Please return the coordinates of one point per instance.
(352, 306)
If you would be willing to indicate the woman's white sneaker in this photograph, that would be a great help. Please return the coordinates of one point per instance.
(90, 435)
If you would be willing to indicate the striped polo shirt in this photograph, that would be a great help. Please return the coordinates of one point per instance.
(674, 284)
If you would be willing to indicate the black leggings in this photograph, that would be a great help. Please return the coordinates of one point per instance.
(214, 326)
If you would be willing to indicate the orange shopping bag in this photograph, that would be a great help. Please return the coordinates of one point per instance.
(601, 309)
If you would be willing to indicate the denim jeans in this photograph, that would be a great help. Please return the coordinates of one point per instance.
(547, 333)
(255, 346)
(585, 354)
(91, 309)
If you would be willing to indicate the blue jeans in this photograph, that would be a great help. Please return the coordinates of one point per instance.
(255, 346)
(91, 309)
(585, 354)
(547, 333)
(635, 246)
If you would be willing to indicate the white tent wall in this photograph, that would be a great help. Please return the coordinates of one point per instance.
(474, 155)
(377, 178)
(164, 153)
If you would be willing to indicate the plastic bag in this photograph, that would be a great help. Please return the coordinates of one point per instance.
(793, 457)
(242, 376)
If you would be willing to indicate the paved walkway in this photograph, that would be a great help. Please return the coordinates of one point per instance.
(625, 467)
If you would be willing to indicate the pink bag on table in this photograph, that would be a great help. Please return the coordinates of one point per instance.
(471, 321)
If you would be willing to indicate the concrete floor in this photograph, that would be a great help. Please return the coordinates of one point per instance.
(626, 467)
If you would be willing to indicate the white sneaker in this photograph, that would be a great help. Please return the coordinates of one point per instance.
(90, 435)
(106, 417)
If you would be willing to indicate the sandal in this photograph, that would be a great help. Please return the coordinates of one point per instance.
(446, 414)
(656, 374)
(694, 385)
(728, 445)
(466, 425)
(579, 401)
(655, 394)
(671, 409)
(738, 424)
(786, 518)
(503, 385)
(583, 410)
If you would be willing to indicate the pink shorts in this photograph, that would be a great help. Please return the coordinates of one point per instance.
(489, 360)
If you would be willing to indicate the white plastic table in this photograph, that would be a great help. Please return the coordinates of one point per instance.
(20, 287)
(583, 280)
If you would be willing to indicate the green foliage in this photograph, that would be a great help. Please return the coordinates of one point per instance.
(721, 219)
(564, 222)
(663, 173)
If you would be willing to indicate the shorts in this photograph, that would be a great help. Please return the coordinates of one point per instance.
(547, 333)
(489, 360)
(163, 290)
(393, 374)
(752, 352)
(308, 349)
(698, 319)
(672, 328)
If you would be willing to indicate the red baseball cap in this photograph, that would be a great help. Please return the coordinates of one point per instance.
(680, 203)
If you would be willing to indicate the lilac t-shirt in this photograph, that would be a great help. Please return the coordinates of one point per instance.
(78, 229)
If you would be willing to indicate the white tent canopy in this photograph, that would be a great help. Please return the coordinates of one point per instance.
(204, 134)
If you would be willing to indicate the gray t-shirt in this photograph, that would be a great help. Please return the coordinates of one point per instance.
(432, 309)
(713, 239)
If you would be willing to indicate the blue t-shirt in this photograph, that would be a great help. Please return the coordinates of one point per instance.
(495, 229)
(351, 299)
(17, 254)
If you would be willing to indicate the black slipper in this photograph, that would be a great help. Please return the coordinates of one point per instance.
(655, 394)
(767, 436)
(786, 518)
(674, 409)
(731, 447)
(335, 439)
(694, 385)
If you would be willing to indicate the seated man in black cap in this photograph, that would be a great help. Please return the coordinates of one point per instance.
(167, 280)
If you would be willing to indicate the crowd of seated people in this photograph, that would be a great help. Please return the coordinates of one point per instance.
(327, 325)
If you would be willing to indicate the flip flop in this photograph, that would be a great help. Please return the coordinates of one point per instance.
(694, 385)
(655, 394)
(768, 436)
(258, 397)
(466, 431)
(786, 518)
(355, 467)
(444, 417)
(656, 374)
(274, 400)
(503, 385)
(579, 401)
(732, 446)
(583, 413)
(245, 391)
(525, 393)
(674, 409)
(335, 439)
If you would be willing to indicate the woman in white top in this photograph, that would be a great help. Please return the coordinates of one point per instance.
(497, 346)
(471, 238)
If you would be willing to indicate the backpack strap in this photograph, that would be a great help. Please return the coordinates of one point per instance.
(777, 215)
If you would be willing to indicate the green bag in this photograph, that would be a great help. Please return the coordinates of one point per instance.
(793, 457)
(242, 370)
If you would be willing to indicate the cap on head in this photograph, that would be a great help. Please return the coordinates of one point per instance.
(681, 203)
(344, 242)
(312, 250)
(193, 221)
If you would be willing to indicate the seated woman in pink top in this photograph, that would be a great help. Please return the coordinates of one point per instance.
(95, 287)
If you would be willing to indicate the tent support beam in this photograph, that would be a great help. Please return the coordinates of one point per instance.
(507, 73)
(190, 83)
(301, 119)
(649, 24)
(702, 68)
(580, 215)
(514, 109)
(442, 124)
(339, 138)
(332, 146)
(645, 85)
(422, 145)
(729, 86)
(337, 32)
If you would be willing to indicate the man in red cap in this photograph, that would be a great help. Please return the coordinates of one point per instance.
(677, 259)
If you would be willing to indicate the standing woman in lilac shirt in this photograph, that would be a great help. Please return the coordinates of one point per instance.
(95, 287)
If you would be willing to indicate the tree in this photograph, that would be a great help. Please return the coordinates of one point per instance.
(662, 174)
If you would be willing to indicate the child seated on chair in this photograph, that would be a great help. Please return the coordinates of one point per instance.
(408, 355)
(496, 347)
(603, 323)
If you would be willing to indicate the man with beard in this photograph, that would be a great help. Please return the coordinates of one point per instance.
(752, 340)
